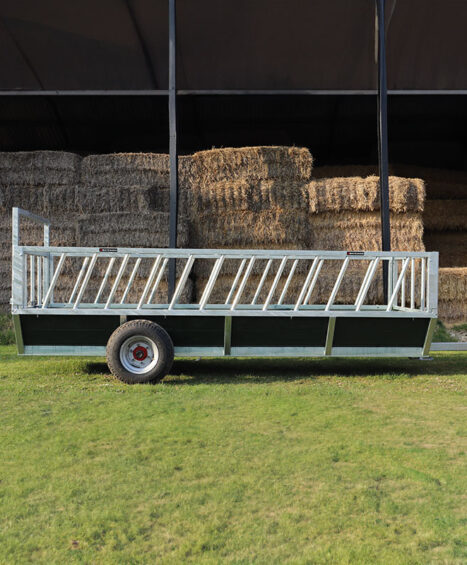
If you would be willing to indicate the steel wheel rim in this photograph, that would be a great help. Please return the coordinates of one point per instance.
(139, 354)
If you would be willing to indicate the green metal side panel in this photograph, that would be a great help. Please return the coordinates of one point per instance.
(279, 332)
(380, 332)
(68, 330)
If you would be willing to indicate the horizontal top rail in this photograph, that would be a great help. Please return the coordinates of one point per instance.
(181, 253)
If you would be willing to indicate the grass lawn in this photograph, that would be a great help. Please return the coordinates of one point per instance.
(234, 461)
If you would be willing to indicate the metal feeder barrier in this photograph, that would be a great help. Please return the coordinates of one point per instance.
(268, 308)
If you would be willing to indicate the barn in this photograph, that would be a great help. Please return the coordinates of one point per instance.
(95, 95)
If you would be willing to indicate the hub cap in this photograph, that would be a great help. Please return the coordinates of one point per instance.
(139, 354)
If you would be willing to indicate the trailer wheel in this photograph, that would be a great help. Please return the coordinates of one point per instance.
(140, 352)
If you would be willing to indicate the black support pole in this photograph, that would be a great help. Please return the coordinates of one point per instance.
(173, 150)
(383, 139)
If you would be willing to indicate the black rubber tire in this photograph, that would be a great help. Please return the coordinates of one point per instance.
(144, 328)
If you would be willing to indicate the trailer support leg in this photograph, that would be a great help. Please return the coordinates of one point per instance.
(227, 335)
(330, 336)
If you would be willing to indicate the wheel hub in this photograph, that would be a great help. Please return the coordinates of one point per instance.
(139, 354)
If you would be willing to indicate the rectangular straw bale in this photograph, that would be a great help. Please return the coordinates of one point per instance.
(252, 195)
(452, 292)
(28, 197)
(127, 229)
(39, 168)
(269, 228)
(453, 284)
(257, 163)
(125, 170)
(445, 215)
(363, 194)
(452, 247)
(361, 231)
(99, 199)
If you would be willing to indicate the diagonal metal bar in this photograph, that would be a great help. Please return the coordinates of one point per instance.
(275, 283)
(117, 281)
(306, 283)
(337, 284)
(158, 279)
(211, 282)
(288, 281)
(365, 278)
(234, 284)
(313, 282)
(78, 280)
(150, 280)
(243, 283)
(130, 280)
(366, 286)
(54, 280)
(398, 284)
(182, 281)
(104, 280)
(262, 281)
(82, 290)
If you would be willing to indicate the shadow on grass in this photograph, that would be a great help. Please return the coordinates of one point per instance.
(256, 370)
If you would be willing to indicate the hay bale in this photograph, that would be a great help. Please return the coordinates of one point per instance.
(132, 169)
(452, 247)
(125, 170)
(275, 229)
(363, 194)
(251, 195)
(38, 168)
(127, 229)
(453, 284)
(359, 231)
(250, 163)
(453, 295)
(445, 215)
(94, 200)
(41, 181)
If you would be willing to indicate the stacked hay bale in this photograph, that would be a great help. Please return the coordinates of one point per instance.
(124, 201)
(453, 295)
(344, 215)
(122, 182)
(42, 182)
(128, 229)
(247, 198)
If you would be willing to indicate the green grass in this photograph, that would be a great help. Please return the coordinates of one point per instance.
(442, 334)
(7, 335)
(460, 327)
(234, 461)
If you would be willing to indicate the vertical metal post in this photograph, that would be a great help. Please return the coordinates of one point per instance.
(383, 139)
(173, 143)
